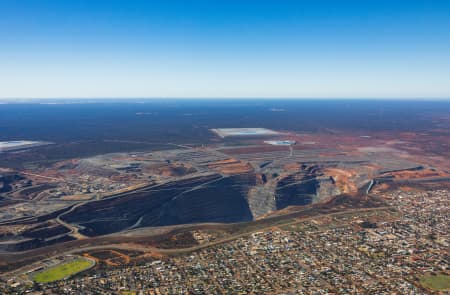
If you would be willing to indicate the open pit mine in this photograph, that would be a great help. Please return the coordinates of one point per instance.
(244, 178)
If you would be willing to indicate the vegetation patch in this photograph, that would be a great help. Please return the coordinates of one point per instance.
(438, 282)
(63, 270)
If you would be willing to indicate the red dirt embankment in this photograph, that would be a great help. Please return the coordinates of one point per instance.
(417, 174)
(343, 179)
(230, 166)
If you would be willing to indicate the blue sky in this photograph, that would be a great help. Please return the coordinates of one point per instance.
(316, 48)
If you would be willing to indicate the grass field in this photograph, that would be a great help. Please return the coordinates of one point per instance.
(62, 271)
(438, 282)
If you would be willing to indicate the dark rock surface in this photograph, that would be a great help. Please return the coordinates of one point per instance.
(210, 198)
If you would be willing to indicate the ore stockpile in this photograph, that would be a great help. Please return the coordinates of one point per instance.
(211, 198)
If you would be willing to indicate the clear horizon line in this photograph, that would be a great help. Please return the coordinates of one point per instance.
(226, 98)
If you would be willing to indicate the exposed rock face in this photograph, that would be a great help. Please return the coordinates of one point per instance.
(208, 198)
(304, 187)
(297, 189)
(261, 200)
(327, 188)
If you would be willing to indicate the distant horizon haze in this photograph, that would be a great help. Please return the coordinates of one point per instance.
(274, 98)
